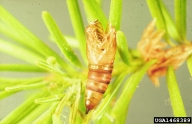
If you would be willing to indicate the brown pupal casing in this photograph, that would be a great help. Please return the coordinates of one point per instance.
(101, 49)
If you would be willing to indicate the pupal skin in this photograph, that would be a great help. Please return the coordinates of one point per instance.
(101, 49)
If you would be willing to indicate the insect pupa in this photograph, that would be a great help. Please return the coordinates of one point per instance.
(101, 49)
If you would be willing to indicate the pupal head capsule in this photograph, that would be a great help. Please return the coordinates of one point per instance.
(101, 45)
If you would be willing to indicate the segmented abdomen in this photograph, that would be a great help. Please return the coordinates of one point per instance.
(99, 77)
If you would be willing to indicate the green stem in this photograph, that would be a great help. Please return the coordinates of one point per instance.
(34, 114)
(121, 106)
(115, 13)
(7, 82)
(21, 111)
(17, 36)
(189, 64)
(19, 52)
(19, 80)
(60, 40)
(52, 98)
(30, 39)
(46, 115)
(156, 12)
(26, 87)
(94, 12)
(4, 94)
(51, 68)
(180, 17)
(78, 26)
(99, 2)
(171, 28)
(62, 103)
(20, 68)
(122, 47)
(15, 30)
(75, 106)
(174, 93)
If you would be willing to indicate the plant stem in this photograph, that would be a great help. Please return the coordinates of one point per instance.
(157, 12)
(20, 112)
(180, 16)
(20, 68)
(19, 52)
(34, 114)
(94, 12)
(78, 26)
(99, 2)
(26, 87)
(46, 115)
(7, 82)
(174, 93)
(60, 40)
(121, 106)
(33, 41)
(115, 13)
(189, 64)
(123, 47)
